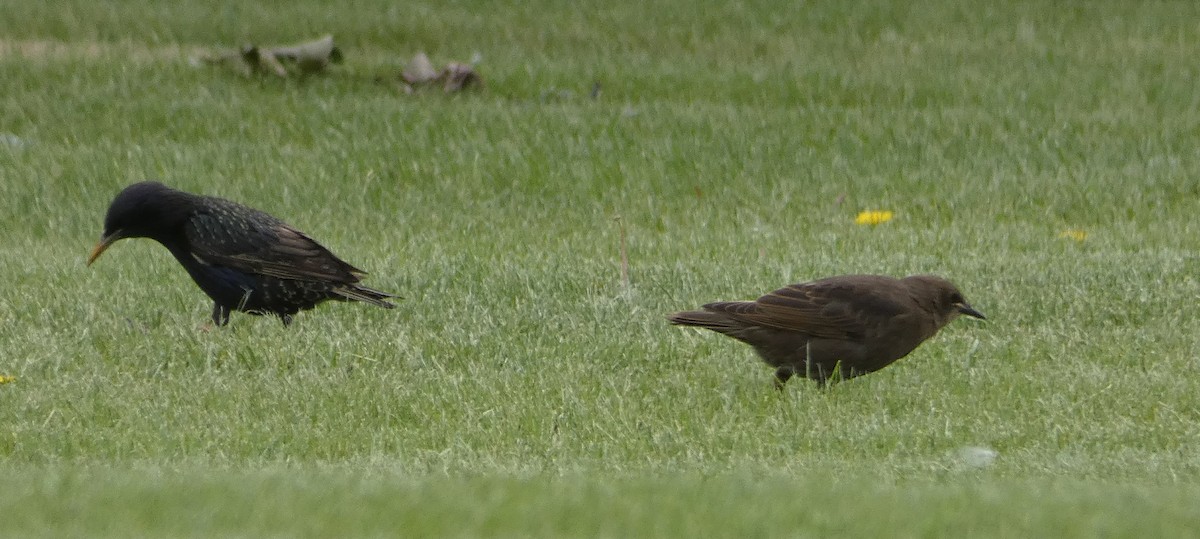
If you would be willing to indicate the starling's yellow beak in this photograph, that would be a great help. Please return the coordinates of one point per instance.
(969, 311)
(102, 245)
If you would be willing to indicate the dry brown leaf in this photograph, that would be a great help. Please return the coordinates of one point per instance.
(419, 71)
(455, 77)
(304, 58)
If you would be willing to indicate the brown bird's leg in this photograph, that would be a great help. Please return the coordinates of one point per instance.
(220, 315)
(286, 319)
(782, 375)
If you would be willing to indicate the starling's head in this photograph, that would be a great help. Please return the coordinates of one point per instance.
(941, 298)
(142, 210)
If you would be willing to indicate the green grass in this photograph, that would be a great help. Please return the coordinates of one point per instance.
(520, 388)
(381, 502)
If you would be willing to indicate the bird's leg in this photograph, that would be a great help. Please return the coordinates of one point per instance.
(782, 375)
(286, 319)
(220, 314)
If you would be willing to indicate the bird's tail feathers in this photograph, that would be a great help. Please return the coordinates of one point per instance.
(366, 295)
(706, 319)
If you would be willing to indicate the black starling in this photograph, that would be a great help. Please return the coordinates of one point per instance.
(244, 259)
(839, 327)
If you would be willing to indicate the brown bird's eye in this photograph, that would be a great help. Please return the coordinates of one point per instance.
(956, 298)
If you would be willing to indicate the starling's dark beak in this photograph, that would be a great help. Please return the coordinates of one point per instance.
(969, 311)
(100, 247)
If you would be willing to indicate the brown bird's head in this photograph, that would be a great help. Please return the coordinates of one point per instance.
(142, 210)
(940, 298)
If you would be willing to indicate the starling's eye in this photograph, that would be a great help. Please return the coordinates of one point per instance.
(956, 298)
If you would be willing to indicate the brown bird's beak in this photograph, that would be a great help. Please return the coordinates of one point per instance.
(969, 311)
(102, 245)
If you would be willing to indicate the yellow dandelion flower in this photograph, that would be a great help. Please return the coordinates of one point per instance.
(873, 217)
(7, 379)
(1076, 234)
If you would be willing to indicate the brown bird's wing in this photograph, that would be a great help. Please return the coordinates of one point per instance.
(255, 242)
(827, 309)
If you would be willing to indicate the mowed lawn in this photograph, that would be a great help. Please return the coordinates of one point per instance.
(1043, 156)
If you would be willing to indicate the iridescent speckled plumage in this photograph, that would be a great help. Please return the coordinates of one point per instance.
(244, 259)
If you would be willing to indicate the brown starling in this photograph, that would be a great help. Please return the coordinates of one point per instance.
(839, 327)
(244, 259)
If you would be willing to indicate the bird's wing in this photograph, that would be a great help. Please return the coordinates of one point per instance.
(255, 242)
(830, 310)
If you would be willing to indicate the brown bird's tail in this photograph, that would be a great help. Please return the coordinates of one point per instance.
(367, 295)
(706, 319)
